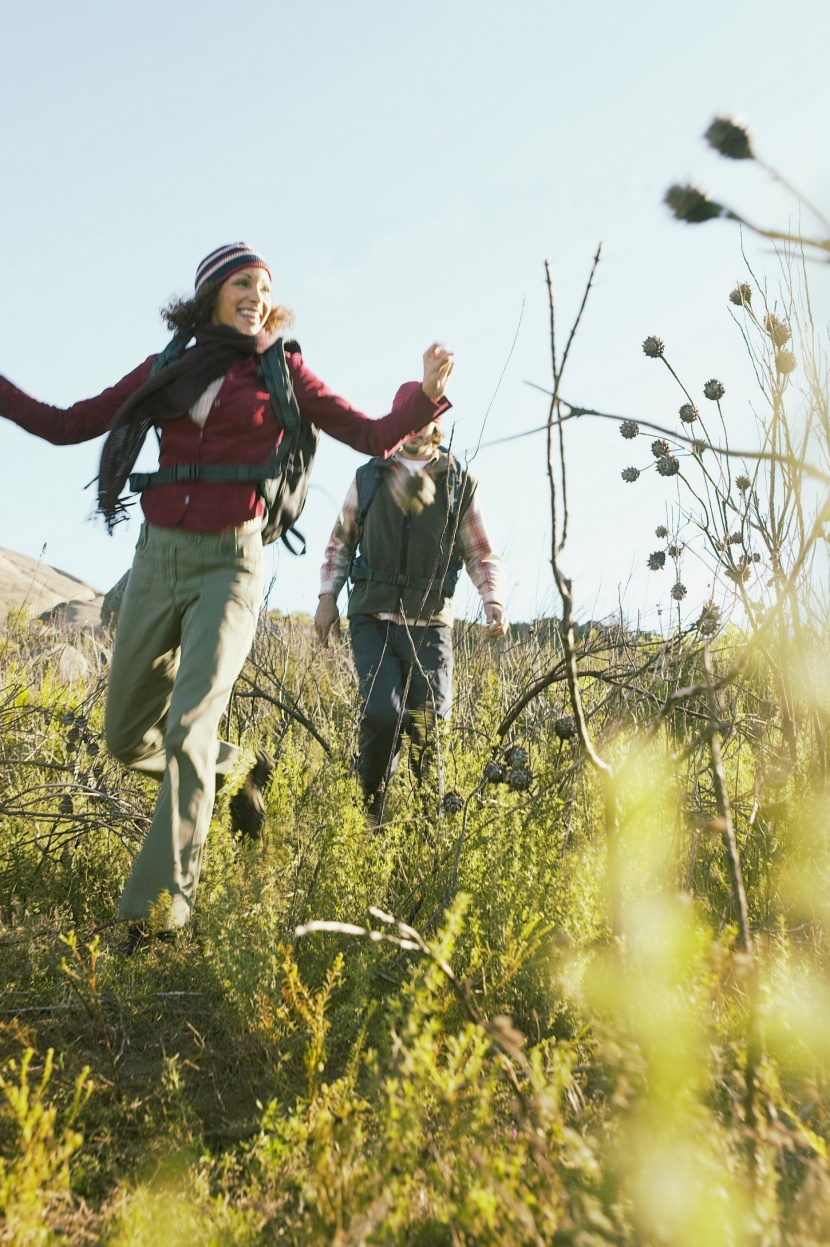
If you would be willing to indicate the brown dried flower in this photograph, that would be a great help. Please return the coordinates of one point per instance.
(660, 448)
(785, 363)
(709, 621)
(657, 561)
(668, 465)
(689, 413)
(653, 347)
(629, 429)
(519, 779)
(661, 531)
(494, 772)
(742, 483)
(714, 389)
(678, 591)
(729, 139)
(741, 296)
(692, 205)
(778, 330)
(630, 474)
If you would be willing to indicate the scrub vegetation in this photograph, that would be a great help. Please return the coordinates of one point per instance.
(574, 991)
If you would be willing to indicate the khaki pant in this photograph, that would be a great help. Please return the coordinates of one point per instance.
(185, 628)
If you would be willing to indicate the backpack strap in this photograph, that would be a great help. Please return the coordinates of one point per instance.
(180, 473)
(173, 352)
(367, 488)
(361, 571)
(273, 368)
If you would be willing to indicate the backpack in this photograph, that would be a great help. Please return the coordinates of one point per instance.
(368, 484)
(282, 480)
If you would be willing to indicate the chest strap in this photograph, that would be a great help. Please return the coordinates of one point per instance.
(361, 571)
(181, 473)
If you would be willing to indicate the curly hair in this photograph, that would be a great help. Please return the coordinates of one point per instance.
(183, 315)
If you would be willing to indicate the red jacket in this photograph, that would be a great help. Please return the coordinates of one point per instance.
(241, 428)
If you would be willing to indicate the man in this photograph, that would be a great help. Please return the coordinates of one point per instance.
(407, 525)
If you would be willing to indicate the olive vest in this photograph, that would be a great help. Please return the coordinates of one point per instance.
(407, 560)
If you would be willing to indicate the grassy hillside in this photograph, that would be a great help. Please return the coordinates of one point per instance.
(495, 1062)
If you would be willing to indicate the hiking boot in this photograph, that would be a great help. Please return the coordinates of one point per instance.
(247, 806)
(139, 936)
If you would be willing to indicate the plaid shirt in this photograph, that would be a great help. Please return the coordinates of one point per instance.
(483, 564)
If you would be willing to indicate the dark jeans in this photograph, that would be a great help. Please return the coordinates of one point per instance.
(400, 669)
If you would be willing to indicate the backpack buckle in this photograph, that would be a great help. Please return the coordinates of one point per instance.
(182, 472)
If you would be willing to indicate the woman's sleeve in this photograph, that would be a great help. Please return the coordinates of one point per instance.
(64, 426)
(411, 411)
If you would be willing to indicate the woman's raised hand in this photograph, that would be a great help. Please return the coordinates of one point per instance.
(438, 364)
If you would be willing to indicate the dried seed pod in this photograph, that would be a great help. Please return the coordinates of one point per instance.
(742, 483)
(709, 621)
(653, 347)
(785, 363)
(515, 756)
(778, 330)
(714, 389)
(698, 448)
(453, 802)
(565, 727)
(689, 413)
(661, 531)
(657, 560)
(519, 779)
(674, 552)
(691, 205)
(660, 448)
(629, 429)
(630, 474)
(679, 591)
(668, 465)
(729, 139)
(494, 772)
(741, 296)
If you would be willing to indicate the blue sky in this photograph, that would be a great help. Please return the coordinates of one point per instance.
(407, 169)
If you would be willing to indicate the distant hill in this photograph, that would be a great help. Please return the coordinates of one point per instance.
(38, 589)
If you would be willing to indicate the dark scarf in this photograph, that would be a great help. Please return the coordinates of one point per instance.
(168, 396)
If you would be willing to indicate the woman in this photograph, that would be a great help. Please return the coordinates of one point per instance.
(189, 613)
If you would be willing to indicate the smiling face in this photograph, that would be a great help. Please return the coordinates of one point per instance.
(244, 301)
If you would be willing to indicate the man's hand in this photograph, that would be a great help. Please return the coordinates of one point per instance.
(326, 617)
(496, 620)
(438, 364)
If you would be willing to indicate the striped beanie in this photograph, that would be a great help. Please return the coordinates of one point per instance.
(219, 265)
